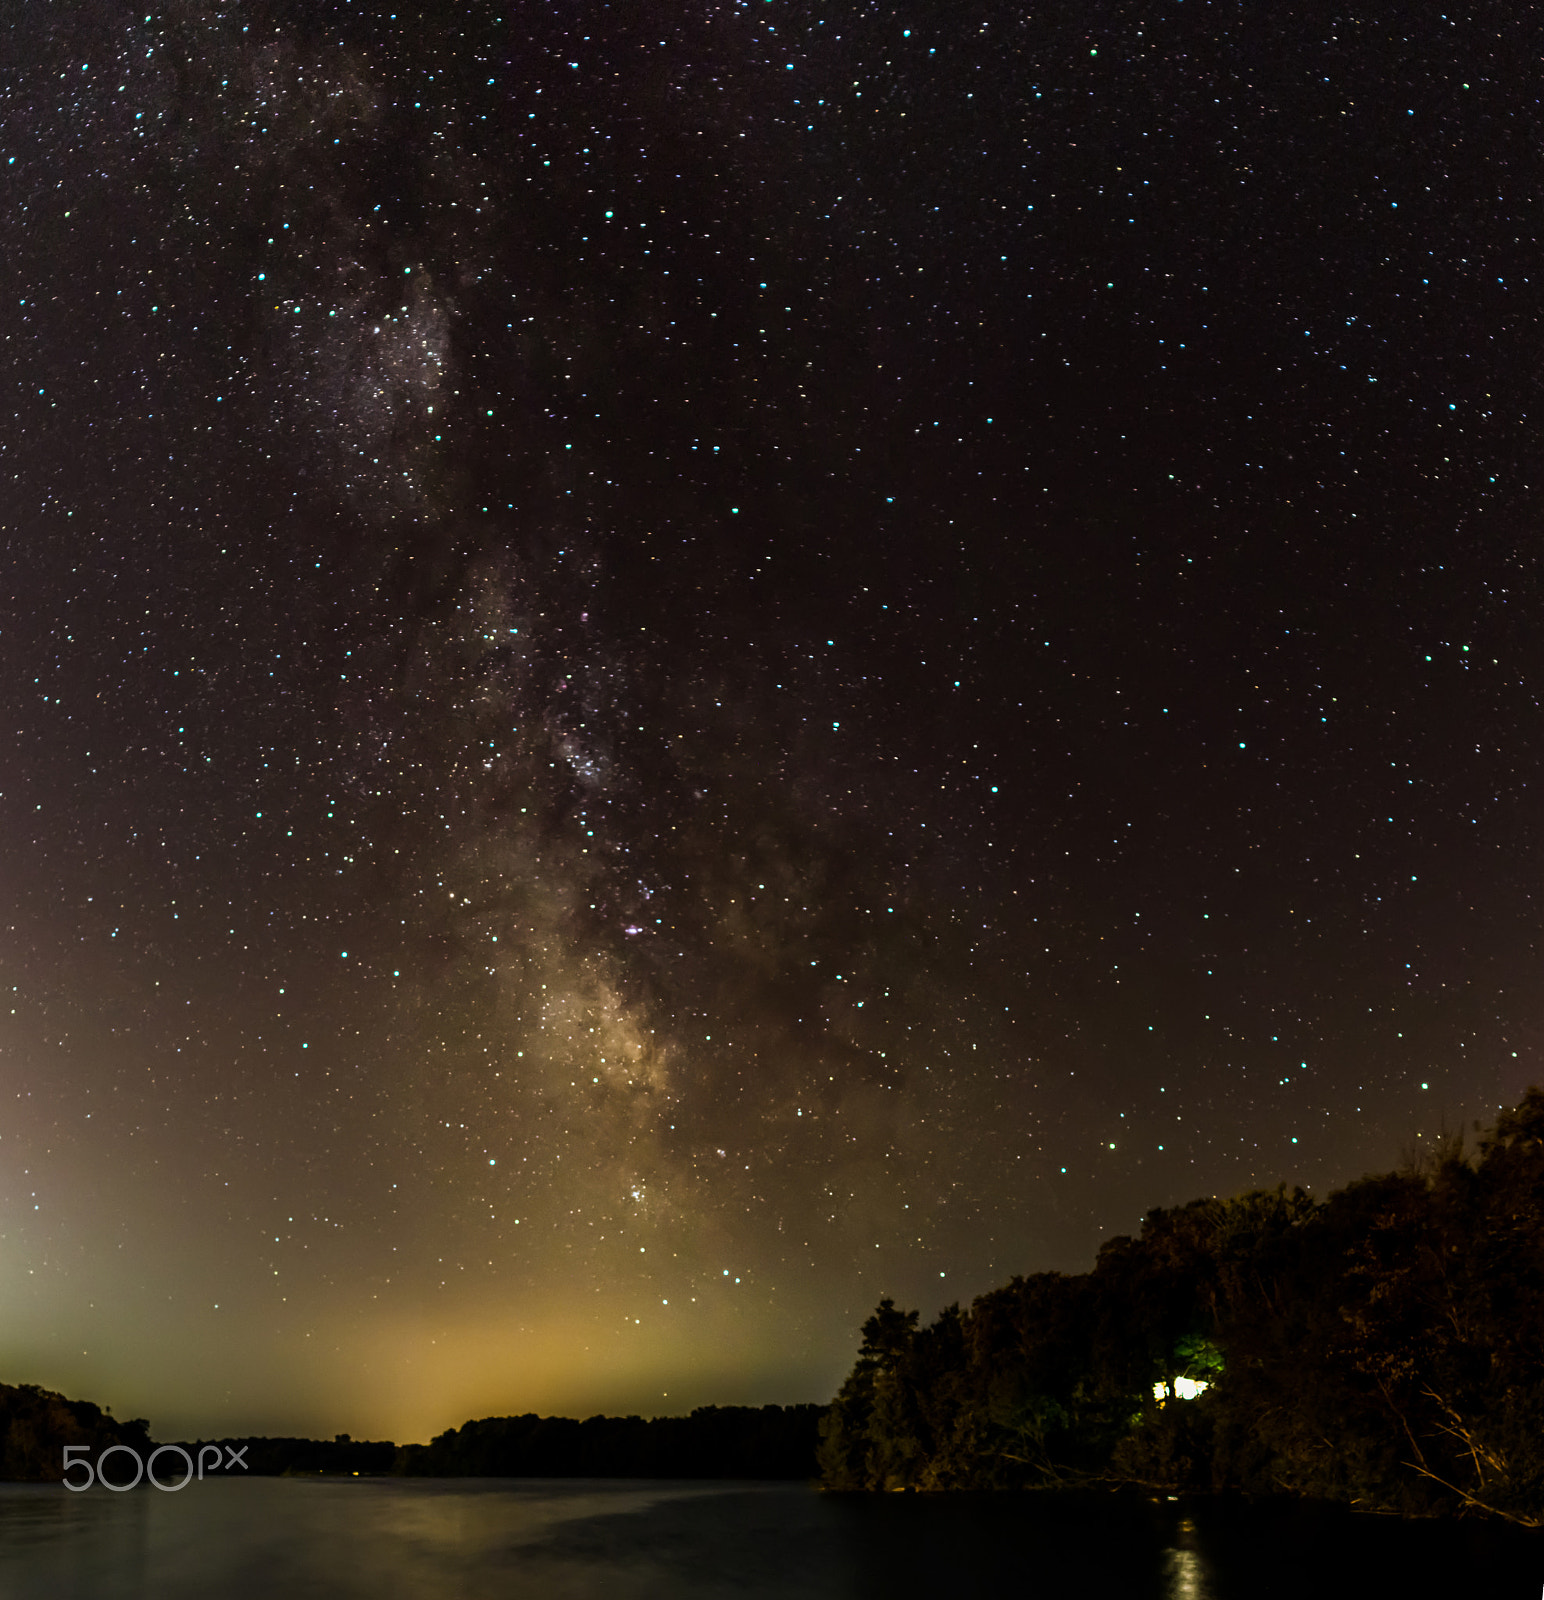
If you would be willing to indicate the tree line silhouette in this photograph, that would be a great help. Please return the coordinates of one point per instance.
(712, 1442)
(1382, 1348)
(36, 1424)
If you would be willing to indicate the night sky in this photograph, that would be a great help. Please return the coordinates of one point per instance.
(668, 667)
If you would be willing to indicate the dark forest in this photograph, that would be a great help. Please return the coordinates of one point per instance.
(1382, 1348)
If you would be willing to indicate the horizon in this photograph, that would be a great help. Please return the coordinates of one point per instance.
(1449, 1144)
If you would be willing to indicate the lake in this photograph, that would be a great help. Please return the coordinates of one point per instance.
(476, 1539)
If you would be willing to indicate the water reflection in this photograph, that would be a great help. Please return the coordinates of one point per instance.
(1184, 1566)
(572, 1540)
(416, 1541)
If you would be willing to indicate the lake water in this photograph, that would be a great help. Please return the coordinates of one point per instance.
(476, 1539)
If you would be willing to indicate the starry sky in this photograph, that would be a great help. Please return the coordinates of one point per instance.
(667, 668)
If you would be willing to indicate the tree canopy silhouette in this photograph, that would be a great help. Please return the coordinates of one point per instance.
(1382, 1347)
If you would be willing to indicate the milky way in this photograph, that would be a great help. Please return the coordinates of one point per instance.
(668, 676)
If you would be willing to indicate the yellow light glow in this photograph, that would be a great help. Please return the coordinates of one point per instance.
(1182, 1389)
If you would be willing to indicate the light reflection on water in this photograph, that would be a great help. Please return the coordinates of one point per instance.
(417, 1540)
(492, 1539)
(1185, 1569)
